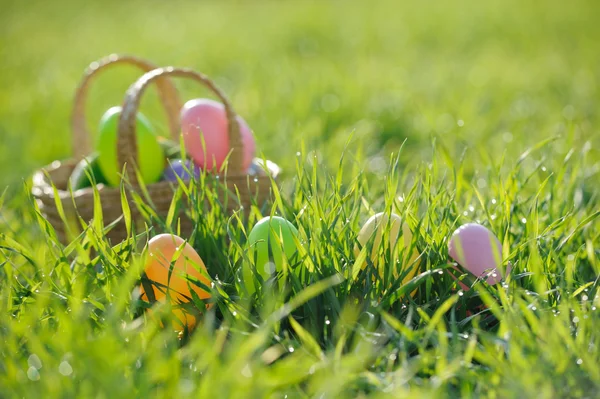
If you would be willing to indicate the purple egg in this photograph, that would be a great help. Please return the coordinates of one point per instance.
(479, 251)
(181, 169)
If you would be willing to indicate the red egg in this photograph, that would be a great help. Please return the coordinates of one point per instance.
(205, 134)
(161, 250)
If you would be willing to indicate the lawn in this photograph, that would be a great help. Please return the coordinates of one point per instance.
(442, 112)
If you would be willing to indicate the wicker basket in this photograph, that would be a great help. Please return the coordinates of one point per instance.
(238, 189)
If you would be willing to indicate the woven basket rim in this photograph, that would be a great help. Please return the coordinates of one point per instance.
(42, 185)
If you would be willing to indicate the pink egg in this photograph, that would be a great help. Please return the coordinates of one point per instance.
(479, 251)
(206, 119)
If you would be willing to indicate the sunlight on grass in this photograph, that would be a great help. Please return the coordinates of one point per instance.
(463, 112)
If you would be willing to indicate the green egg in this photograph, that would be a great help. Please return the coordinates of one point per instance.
(266, 240)
(80, 177)
(151, 160)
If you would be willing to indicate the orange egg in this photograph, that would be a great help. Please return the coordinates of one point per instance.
(161, 251)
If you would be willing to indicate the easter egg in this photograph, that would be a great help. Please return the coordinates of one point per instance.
(478, 250)
(266, 240)
(205, 133)
(151, 160)
(373, 230)
(160, 252)
(185, 170)
(259, 167)
(80, 177)
(255, 170)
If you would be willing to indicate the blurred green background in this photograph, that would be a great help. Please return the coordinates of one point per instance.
(496, 76)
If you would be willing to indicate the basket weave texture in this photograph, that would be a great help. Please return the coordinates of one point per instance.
(237, 188)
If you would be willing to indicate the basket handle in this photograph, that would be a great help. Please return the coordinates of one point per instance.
(166, 90)
(126, 137)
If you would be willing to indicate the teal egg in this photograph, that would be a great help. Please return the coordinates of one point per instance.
(86, 167)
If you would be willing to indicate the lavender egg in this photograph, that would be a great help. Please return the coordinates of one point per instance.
(479, 251)
(255, 170)
(259, 167)
(180, 168)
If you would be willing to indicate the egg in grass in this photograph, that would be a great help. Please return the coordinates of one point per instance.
(270, 241)
(171, 265)
(372, 234)
(479, 251)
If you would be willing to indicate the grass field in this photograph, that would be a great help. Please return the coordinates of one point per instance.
(444, 112)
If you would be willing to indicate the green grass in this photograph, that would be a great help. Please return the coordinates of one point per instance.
(445, 112)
